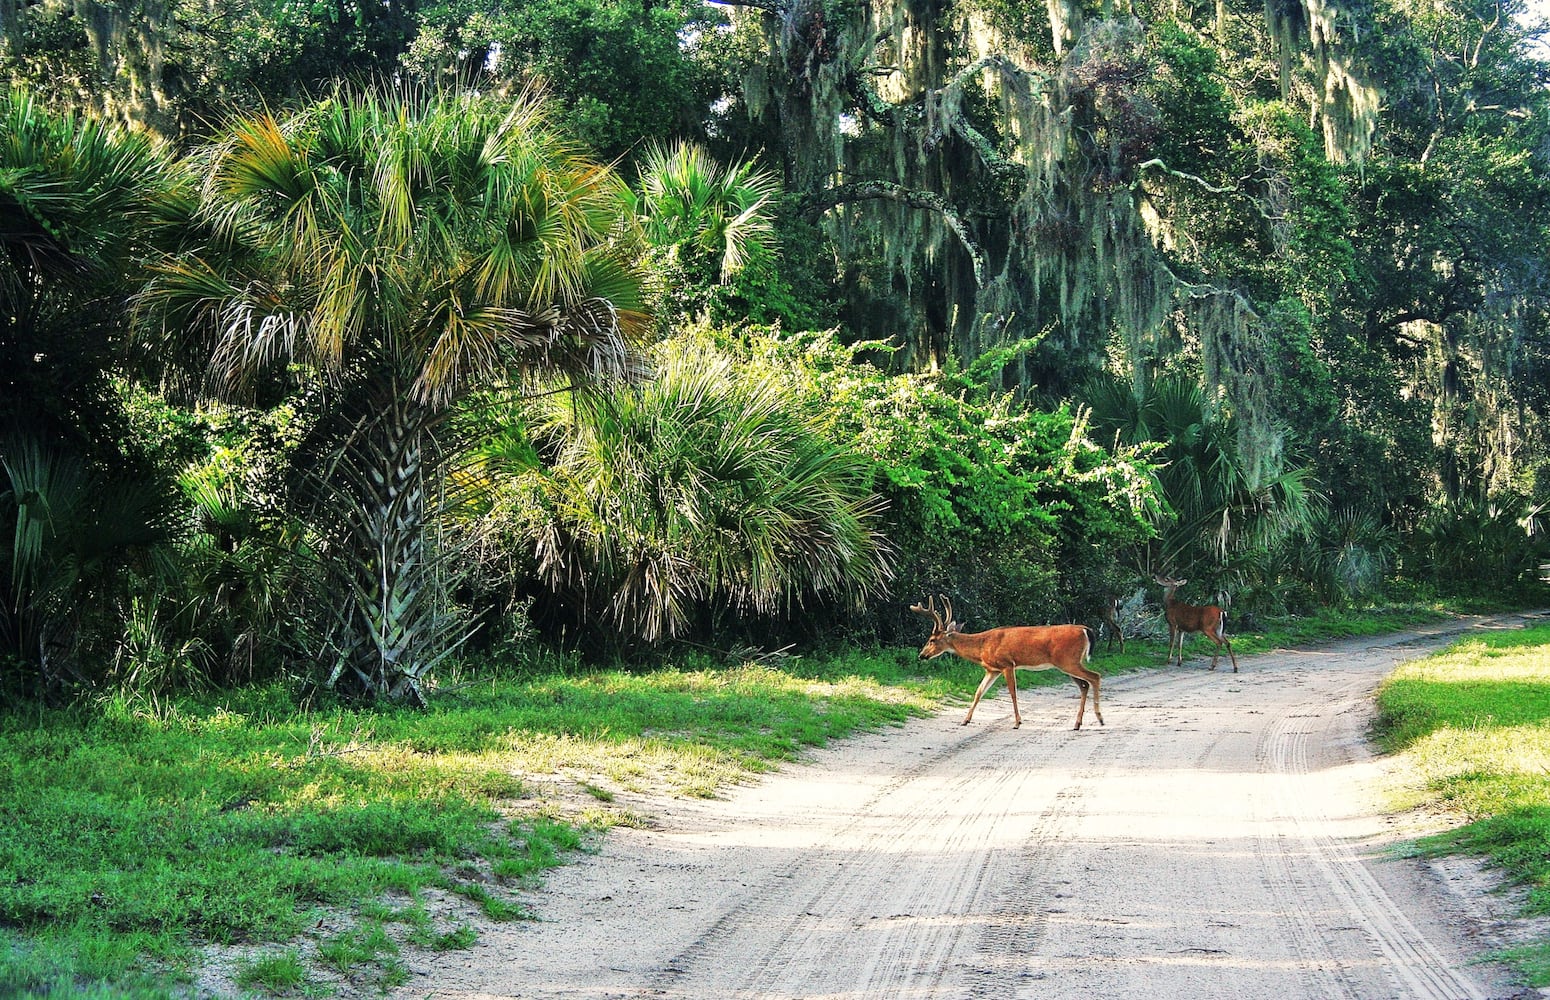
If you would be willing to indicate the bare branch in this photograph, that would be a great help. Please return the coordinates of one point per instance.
(815, 205)
(1160, 165)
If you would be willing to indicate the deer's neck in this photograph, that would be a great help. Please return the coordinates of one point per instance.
(968, 645)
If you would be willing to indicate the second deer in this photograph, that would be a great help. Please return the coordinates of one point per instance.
(1004, 651)
(1207, 619)
(1111, 623)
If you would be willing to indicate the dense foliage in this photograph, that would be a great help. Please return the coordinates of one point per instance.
(342, 373)
(704, 492)
(343, 346)
(81, 508)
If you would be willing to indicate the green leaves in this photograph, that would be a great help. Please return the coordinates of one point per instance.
(432, 231)
(399, 250)
(70, 534)
(707, 487)
(687, 199)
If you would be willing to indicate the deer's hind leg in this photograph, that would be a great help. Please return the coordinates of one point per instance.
(1010, 673)
(1087, 679)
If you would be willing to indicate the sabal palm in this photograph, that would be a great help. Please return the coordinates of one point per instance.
(1219, 513)
(685, 198)
(406, 249)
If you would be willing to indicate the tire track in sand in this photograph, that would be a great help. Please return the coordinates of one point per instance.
(1412, 964)
(895, 885)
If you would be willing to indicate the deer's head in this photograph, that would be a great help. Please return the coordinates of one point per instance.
(943, 628)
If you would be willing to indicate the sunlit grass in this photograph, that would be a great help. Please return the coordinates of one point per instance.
(129, 838)
(1472, 723)
(1263, 634)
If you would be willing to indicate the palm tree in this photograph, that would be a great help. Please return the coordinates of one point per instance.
(687, 199)
(705, 489)
(705, 222)
(398, 251)
(1221, 517)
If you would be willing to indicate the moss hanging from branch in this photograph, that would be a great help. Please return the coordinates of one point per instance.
(1315, 43)
(986, 180)
(1237, 358)
(816, 205)
(127, 44)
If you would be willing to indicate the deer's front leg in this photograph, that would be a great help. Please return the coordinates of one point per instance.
(990, 677)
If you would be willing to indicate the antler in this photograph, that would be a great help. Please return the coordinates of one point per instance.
(944, 619)
(930, 610)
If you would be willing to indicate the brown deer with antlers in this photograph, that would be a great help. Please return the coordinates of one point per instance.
(1207, 619)
(1004, 651)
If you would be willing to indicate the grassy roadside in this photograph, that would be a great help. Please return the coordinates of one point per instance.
(319, 840)
(320, 846)
(1472, 724)
(1250, 636)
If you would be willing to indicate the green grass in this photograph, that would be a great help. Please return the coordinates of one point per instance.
(129, 839)
(278, 972)
(1326, 625)
(1473, 726)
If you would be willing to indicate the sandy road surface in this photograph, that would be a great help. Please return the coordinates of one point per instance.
(1217, 838)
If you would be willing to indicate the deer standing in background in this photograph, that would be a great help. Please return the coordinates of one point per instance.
(1111, 622)
(1004, 651)
(1184, 618)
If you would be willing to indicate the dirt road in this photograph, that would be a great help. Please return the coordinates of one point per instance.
(1218, 838)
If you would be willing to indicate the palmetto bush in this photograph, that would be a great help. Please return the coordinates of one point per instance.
(1352, 555)
(701, 491)
(1228, 525)
(70, 538)
(1481, 547)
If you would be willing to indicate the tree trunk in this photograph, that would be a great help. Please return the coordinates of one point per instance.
(389, 627)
